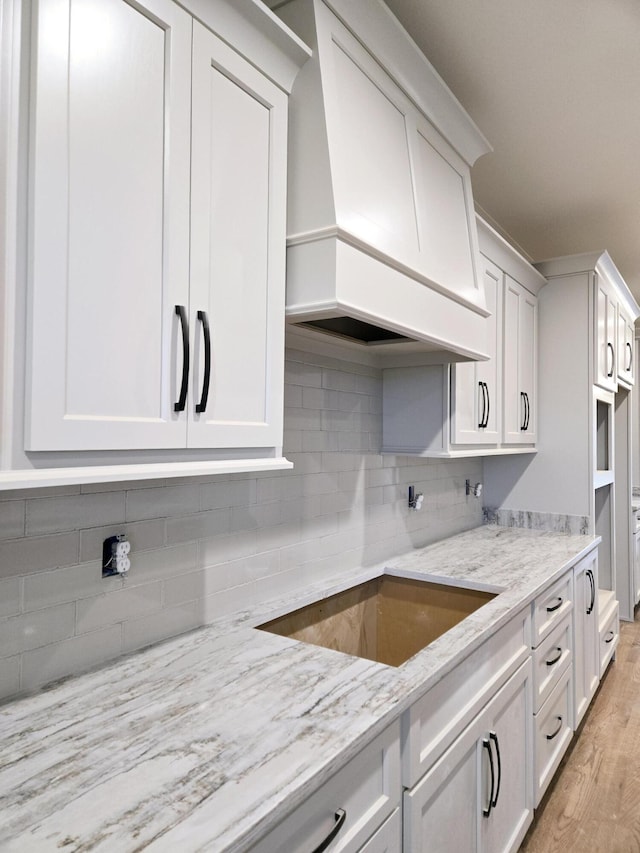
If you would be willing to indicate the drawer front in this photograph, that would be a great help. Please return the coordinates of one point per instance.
(609, 638)
(388, 839)
(368, 789)
(551, 607)
(550, 660)
(552, 732)
(433, 722)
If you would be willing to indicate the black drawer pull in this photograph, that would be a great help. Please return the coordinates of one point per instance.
(630, 357)
(494, 737)
(482, 424)
(556, 658)
(613, 359)
(204, 396)
(592, 584)
(557, 731)
(487, 745)
(340, 817)
(486, 419)
(611, 638)
(556, 606)
(181, 311)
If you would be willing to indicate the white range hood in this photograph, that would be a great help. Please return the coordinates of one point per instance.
(382, 242)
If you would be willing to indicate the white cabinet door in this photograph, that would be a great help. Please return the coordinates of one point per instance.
(238, 203)
(587, 638)
(636, 568)
(434, 819)
(109, 224)
(605, 337)
(510, 729)
(489, 769)
(625, 349)
(477, 385)
(519, 363)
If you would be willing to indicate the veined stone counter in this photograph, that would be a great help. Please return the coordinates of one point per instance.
(206, 741)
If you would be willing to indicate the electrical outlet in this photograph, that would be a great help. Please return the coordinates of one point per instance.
(115, 556)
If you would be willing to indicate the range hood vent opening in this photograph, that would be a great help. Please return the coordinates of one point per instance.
(355, 330)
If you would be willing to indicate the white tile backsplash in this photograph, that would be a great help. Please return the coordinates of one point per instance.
(202, 548)
(12, 519)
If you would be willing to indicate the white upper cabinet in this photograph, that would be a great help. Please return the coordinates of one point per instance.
(606, 375)
(109, 225)
(475, 408)
(520, 357)
(625, 358)
(238, 205)
(614, 311)
(155, 240)
(476, 416)
(382, 241)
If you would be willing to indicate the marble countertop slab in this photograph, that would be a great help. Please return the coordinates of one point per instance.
(206, 741)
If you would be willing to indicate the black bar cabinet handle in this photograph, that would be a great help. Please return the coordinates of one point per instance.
(526, 396)
(340, 817)
(486, 420)
(556, 658)
(555, 606)
(557, 731)
(610, 640)
(484, 405)
(487, 745)
(592, 584)
(181, 311)
(494, 737)
(613, 359)
(630, 357)
(523, 397)
(204, 396)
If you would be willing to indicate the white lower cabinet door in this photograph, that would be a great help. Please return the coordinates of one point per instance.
(238, 202)
(586, 641)
(478, 796)
(636, 568)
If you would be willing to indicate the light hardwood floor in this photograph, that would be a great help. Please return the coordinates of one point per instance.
(593, 805)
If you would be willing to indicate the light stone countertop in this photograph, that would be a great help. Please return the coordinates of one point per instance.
(206, 741)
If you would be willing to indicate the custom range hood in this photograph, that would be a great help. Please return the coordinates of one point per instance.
(382, 243)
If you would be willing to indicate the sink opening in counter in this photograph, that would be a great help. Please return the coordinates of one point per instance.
(387, 619)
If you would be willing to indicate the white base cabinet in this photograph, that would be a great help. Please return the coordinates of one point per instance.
(478, 795)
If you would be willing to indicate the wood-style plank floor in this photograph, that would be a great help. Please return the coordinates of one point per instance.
(593, 804)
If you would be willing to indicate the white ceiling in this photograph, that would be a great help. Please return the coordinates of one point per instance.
(554, 85)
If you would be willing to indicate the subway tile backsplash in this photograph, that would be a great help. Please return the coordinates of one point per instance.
(205, 547)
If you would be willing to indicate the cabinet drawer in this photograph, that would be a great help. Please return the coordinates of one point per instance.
(388, 839)
(609, 637)
(432, 723)
(551, 606)
(550, 660)
(367, 789)
(552, 732)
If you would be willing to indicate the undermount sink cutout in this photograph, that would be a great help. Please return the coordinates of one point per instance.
(387, 619)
